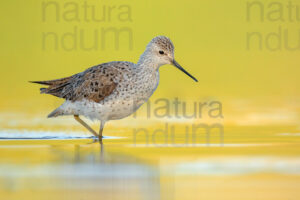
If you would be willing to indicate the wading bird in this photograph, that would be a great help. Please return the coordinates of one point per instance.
(112, 90)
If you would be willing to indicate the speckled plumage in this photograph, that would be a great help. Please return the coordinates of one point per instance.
(112, 90)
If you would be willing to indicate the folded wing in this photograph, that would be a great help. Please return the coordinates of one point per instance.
(94, 84)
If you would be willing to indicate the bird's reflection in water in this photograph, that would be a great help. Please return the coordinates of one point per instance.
(114, 175)
(76, 170)
(94, 154)
(101, 151)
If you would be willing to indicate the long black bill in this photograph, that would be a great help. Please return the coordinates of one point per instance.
(183, 70)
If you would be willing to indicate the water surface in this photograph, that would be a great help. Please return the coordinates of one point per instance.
(252, 163)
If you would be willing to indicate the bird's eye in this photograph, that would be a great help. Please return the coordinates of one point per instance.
(161, 52)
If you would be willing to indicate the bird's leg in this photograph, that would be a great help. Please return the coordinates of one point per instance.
(101, 130)
(85, 125)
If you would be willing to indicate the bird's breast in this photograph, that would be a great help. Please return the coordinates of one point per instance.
(147, 85)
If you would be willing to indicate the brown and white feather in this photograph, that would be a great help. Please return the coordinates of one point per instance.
(111, 90)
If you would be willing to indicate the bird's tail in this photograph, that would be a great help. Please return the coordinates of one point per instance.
(55, 87)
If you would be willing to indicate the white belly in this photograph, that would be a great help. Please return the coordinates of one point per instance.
(111, 110)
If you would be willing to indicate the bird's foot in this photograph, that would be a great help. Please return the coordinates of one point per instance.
(100, 138)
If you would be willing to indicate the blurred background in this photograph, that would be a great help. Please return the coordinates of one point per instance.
(245, 55)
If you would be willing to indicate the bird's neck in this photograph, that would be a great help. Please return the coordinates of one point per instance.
(148, 62)
(147, 69)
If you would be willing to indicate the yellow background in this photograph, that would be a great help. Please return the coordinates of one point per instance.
(210, 41)
(259, 91)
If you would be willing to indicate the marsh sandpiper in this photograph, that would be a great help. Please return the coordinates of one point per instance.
(112, 90)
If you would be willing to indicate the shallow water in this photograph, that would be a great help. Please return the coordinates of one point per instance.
(251, 163)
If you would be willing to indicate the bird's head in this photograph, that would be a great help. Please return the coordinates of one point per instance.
(161, 51)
